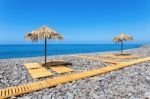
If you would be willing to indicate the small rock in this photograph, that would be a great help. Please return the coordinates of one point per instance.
(39, 96)
(45, 97)
(69, 95)
(1, 72)
(146, 96)
(13, 97)
(147, 79)
(1, 76)
(95, 96)
(60, 97)
(26, 97)
(50, 95)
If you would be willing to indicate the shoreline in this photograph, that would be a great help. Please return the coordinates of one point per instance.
(72, 54)
(21, 52)
(130, 82)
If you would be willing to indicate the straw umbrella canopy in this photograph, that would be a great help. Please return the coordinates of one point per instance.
(122, 37)
(43, 33)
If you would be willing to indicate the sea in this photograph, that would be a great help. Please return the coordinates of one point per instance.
(21, 51)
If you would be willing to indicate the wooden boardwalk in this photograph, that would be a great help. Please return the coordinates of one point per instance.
(97, 59)
(27, 88)
(119, 56)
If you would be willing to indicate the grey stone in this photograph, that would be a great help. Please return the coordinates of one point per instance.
(45, 97)
(69, 95)
(146, 96)
(95, 96)
(39, 96)
(147, 79)
(26, 97)
(1, 76)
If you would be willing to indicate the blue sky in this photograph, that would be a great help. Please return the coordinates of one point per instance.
(80, 21)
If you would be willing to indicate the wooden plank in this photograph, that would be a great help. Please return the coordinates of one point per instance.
(61, 69)
(3, 93)
(0, 92)
(19, 89)
(39, 73)
(33, 65)
(13, 90)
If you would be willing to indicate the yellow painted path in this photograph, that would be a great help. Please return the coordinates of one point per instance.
(27, 88)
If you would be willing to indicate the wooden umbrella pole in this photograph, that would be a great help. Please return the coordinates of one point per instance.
(122, 47)
(45, 51)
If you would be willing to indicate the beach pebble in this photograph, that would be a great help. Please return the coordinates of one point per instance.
(45, 97)
(69, 95)
(146, 95)
(147, 79)
(26, 97)
(95, 96)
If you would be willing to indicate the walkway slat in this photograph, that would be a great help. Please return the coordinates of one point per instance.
(32, 86)
(19, 88)
(3, 92)
(10, 91)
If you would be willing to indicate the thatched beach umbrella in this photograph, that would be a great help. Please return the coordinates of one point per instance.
(120, 38)
(43, 33)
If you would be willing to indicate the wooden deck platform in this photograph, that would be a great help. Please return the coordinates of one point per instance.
(61, 69)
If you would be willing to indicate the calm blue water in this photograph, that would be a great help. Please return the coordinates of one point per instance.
(17, 51)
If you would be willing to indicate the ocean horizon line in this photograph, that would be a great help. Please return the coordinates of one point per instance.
(18, 51)
(79, 44)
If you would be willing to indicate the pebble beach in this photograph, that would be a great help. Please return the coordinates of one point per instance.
(128, 83)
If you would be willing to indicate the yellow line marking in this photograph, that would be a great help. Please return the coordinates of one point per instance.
(64, 79)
